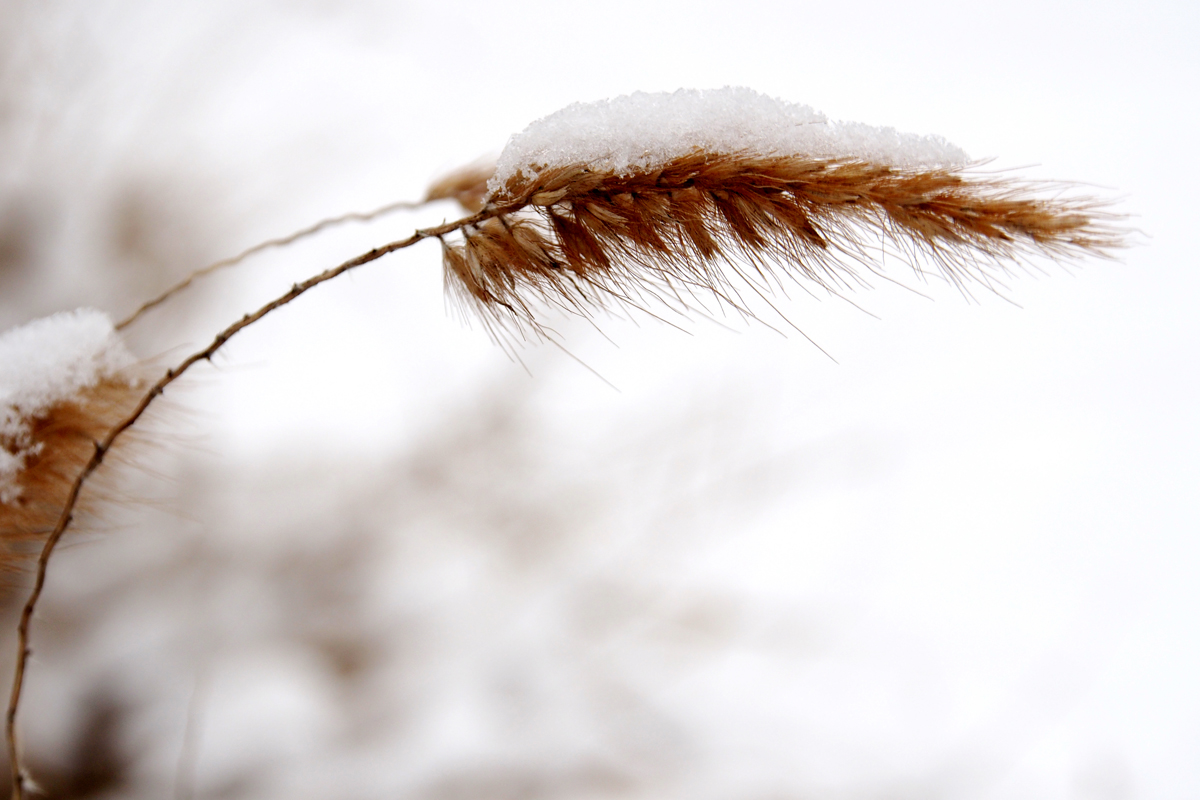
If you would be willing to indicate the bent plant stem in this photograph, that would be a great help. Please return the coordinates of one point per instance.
(282, 241)
(102, 447)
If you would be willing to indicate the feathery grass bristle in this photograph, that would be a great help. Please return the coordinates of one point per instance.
(711, 225)
(57, 445)
(468, 185)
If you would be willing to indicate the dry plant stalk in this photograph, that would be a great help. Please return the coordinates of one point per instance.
(282, 241)
(681, 234)
(706, 225)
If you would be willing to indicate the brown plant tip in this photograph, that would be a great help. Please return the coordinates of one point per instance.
(468, 186)
(66, 381)
(712, 225)
(58, 445)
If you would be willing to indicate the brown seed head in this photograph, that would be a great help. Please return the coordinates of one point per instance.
(708, 224)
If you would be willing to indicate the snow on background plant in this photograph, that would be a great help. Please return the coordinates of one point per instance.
(386, 561)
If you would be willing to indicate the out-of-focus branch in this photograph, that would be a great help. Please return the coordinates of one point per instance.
(357, 216)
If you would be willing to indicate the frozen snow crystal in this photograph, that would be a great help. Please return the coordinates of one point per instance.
(44, 363)
(643, 131)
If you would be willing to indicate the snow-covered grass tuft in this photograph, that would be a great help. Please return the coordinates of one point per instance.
(644, 131)
(43, 364)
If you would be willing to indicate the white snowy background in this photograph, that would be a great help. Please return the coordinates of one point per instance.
(370, 556)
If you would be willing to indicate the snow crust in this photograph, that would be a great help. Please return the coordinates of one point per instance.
(43, 363)
(644, 131)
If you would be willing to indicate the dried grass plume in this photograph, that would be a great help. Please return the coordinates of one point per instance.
(715, 225)
(65, 382)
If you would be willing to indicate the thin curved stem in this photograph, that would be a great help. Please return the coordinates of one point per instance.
(102, 447)
(357, 216)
